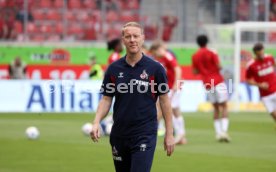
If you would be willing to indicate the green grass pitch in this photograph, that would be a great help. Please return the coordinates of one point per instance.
(63, 148)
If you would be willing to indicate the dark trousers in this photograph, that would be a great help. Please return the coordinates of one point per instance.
(133, 154)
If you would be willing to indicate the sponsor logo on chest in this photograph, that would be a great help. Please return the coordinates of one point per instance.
(266, 71)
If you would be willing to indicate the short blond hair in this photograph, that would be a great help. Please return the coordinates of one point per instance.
(156, 45)
(132, 24)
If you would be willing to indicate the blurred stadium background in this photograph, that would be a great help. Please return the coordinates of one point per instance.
(57, 38)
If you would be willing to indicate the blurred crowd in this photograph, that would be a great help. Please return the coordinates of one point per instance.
(272, 14)
(243, 10)
(247, 10)
(10, 16)
(55, 20)
(86, 20)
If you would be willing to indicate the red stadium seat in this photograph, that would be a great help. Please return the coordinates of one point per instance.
(129, 16)
(89, 4)
(3, 3)
(19, 4)
(10, 4)
(83, 15)
(75, 28)
(114, 31)
(32, 28)
(45, 4)
(31, 2)
(53, 15)
(18, 27)
(38, 14)
(59, 3)
(54, 37)
(129, 5)
(46, 28)
(96, 16)
(58, 28)
(90, 34)
(38, 37)
(70, 16)
(74, 4)
(272, 37)
(111, 16)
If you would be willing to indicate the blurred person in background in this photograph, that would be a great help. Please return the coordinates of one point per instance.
(169, 23)
(22, 13)
(169, 62)
(151, 29)
(243, 10)
(96, 71)
(273, 10)
(145, 50)
(17, 69)
(3, 27)
(9, 19)
(116, 46)
(260, 72)
(206, 63)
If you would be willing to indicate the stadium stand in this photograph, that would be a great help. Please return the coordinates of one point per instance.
(272, 17)
(78, 20)
(84, 18)
(53, 20)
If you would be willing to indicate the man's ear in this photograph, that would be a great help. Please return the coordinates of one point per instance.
(123, 40)
(143, 37)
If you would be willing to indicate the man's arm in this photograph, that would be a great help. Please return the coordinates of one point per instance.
(261, 85)
(216, 59)
(195, 70)
(167, 115)
(93, 73)
(102, 111)
(10, 71)
(178, 73)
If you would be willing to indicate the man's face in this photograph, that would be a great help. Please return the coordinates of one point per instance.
(92, 62)
(133, 39)
(119, 47)
(160, 52)
(259, 54)
(17, 62)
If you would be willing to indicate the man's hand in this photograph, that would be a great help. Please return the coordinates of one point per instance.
(174, 88)
(263, 85)
(95, 133)
(167, 115)
(169, 144)
(101, 113)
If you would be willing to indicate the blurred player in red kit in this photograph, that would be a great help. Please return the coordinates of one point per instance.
(169, 62)
(116, 46)
(261, 73)
(206, 63)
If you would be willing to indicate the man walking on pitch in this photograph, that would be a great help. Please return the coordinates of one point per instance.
(261, 73)
(136, 81)
(206, 63)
